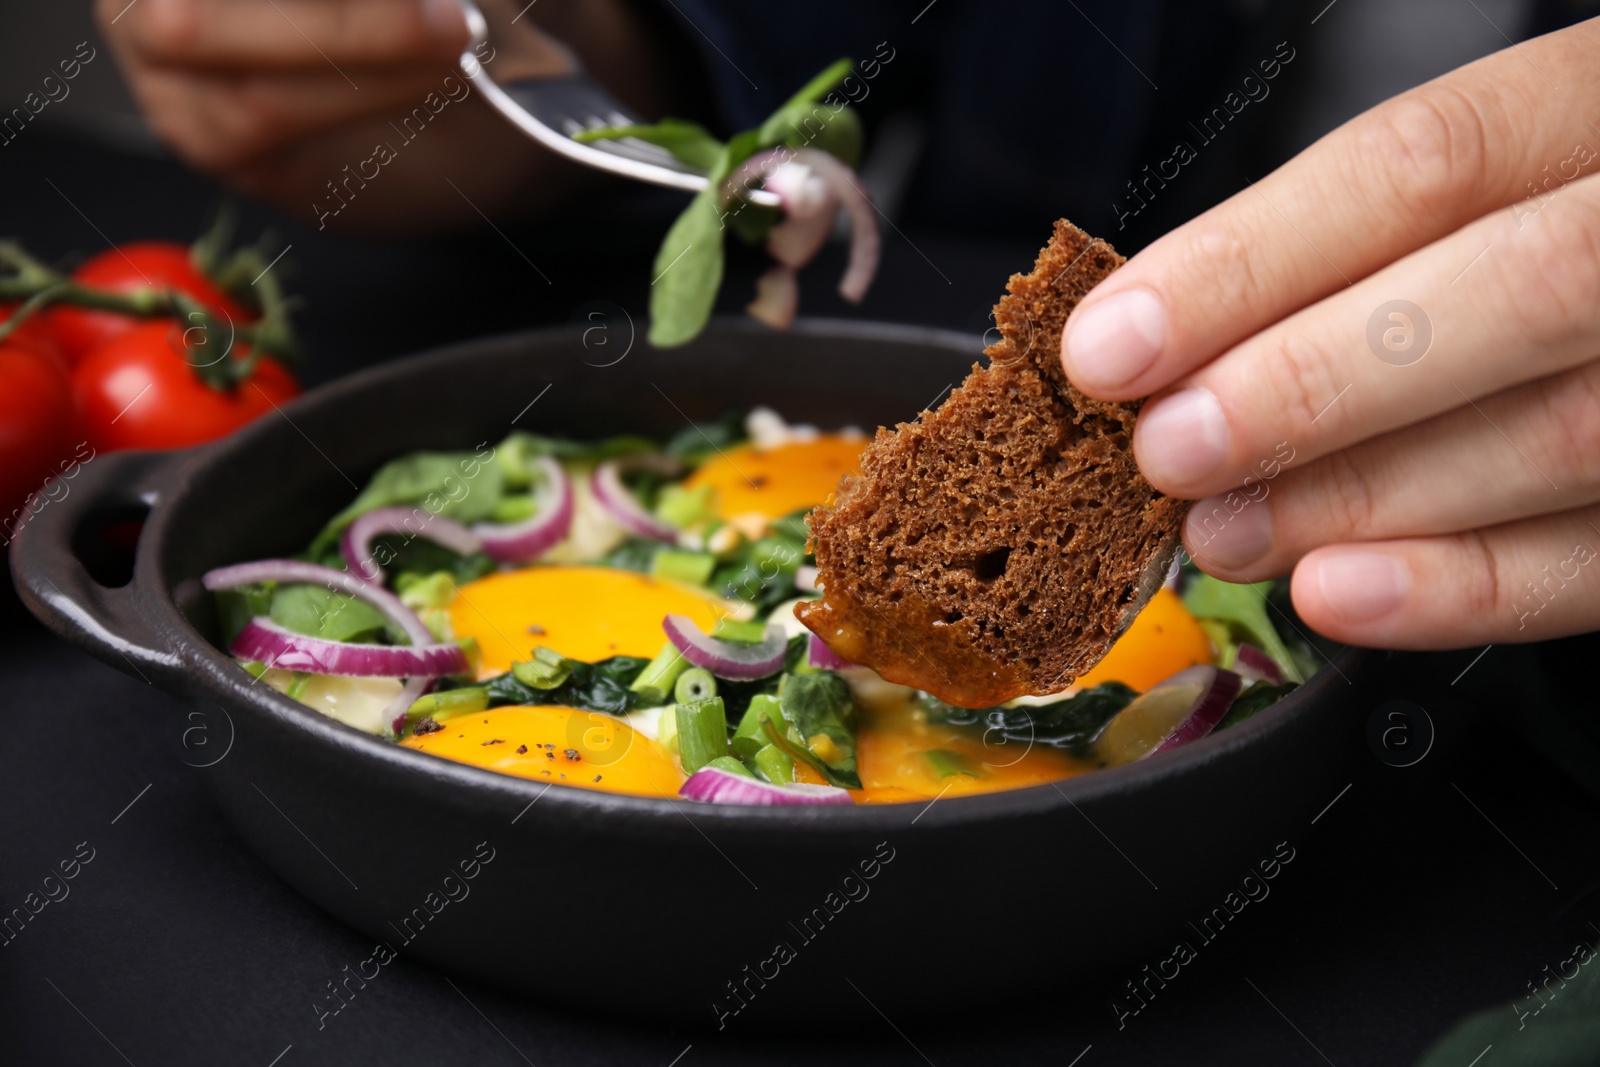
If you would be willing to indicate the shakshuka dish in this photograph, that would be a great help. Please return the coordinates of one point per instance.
(619, 615)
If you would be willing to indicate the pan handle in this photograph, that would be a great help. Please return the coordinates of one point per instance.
(104, 620)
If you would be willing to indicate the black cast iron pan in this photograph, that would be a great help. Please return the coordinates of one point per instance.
(700, 915)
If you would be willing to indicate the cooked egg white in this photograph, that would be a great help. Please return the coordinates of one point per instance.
(358, 702)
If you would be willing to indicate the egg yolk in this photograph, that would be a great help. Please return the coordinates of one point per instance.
(562, 745)
(772, 482)
(892, 758)
(584, 613)
(1162, 641)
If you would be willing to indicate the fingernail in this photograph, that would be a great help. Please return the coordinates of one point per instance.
(445, 17)
(1362, 586)
(1181, 438)
(1115, 340)
(1229, 530)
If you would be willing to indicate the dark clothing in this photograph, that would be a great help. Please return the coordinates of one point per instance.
(1128, 117)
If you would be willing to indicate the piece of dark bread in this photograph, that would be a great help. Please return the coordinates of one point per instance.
(999, 544)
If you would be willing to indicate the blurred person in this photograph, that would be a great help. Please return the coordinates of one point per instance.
(1375, 366)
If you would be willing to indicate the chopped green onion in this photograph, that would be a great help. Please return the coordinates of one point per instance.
(296, 689)
(798, 752)
(752, 633)
(667, 729)
(947, 764)
(731, 765)
(548, 669)
(474, 654)
(514, 509)
(773, 764)
(451, 702)
(692, 567)
(694, 685)
(749, 738)
(777, 556)
(654, 684)
(702, 733)
(683, 507)
(791, 526)
(254, 667)
(420, 592)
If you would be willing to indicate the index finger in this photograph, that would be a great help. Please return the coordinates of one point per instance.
(1384, 184)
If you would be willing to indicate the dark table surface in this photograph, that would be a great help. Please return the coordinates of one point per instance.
(1421, 894)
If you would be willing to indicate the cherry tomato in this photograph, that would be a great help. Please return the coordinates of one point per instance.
(38, 429)
(128, 268)
(34, 333)
(138, 391)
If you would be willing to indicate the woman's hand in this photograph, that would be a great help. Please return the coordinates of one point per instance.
(286, 99)
(1380, 365)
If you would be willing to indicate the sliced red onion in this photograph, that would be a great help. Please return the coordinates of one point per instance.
(395, 713)
(293, 570)
(356, 543)
(822, 657)
(716, 786)
(810, 207)
(523, 542)
(1221, 687)
(1256, 666)
(755, 169)
(266, 641)
(1170, 714)
(865, 242)
(622, 505)
(805, 578)
(724, 658)
(777, 298)
(842, 183)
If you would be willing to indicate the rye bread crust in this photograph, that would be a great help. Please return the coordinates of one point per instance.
(996, 546)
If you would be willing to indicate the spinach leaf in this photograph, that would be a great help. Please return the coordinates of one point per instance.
(1256, 699)
(516, 453)
(792, 527)
(634, 554)
(831, 75)
(688, 267)
(805, 122)
(688, 272)
(601, 686)
(422, 557)
(1072, 722)
(317, 611)
(464, 486)
(695, 443)
(1243, 607)
(237, 606)
(688, 142)
(1563, 1030)
(760, 572)
(821, 709)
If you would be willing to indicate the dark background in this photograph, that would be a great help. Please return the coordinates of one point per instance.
(1423, 893)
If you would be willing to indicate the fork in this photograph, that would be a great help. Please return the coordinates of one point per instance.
(561, 100)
